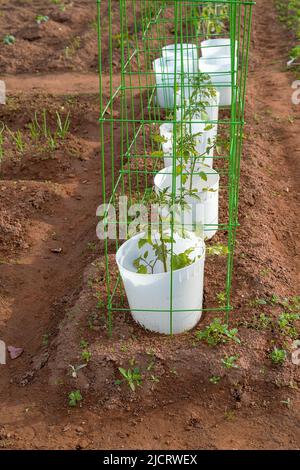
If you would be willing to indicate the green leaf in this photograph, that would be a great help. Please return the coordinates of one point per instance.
(159, 139)
(178, 170)
(157, 153)
(142, 269)
(123, 372)
(9, 39)
(295, 52)
(74, 398)
(184, 178)
(142, 242)
(261, 302)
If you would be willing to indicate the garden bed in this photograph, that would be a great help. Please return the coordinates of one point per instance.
(187, 397)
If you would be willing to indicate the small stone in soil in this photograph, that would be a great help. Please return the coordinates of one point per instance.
(56, 250)
(14, 352)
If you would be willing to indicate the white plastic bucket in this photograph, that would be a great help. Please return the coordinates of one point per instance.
(202, 142)
(219, 47)
(213, 116)
(166, 131)
(149, 295)
(180, 50)
(168, 72)
(212, 109)
(219, 70)
(207, 192)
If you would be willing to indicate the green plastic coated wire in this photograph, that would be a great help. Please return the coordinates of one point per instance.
(131, 35)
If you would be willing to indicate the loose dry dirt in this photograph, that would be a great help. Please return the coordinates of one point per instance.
(52, 266)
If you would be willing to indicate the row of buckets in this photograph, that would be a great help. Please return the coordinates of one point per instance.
(153, 295)
(215, 61)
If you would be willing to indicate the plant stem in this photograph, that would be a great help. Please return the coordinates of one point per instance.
(192, 173)
(163, 247)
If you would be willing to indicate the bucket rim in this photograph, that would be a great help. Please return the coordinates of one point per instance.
(139, 235)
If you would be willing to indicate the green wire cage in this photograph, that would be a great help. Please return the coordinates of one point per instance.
(172, 96)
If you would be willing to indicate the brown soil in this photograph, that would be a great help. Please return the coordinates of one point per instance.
(47, 233)
(64, 42)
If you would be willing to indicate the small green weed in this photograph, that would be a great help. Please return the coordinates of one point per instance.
(132, 377)
(215, 379)
(9, 39)
(286, 324)
(221, 298)
(18, 140)
(74, 397)
(45, 339)
(154, 378)
(218, 332)
(86, 355)
(72, 48)
(75, 369)
(83, 344)
(41, 19)
(60, 4)
(287, 402)
(34, 128)
(229, 362)
(278, 356)
(63, 126)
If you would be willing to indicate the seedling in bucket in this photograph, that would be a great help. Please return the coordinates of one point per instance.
(162, 271)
